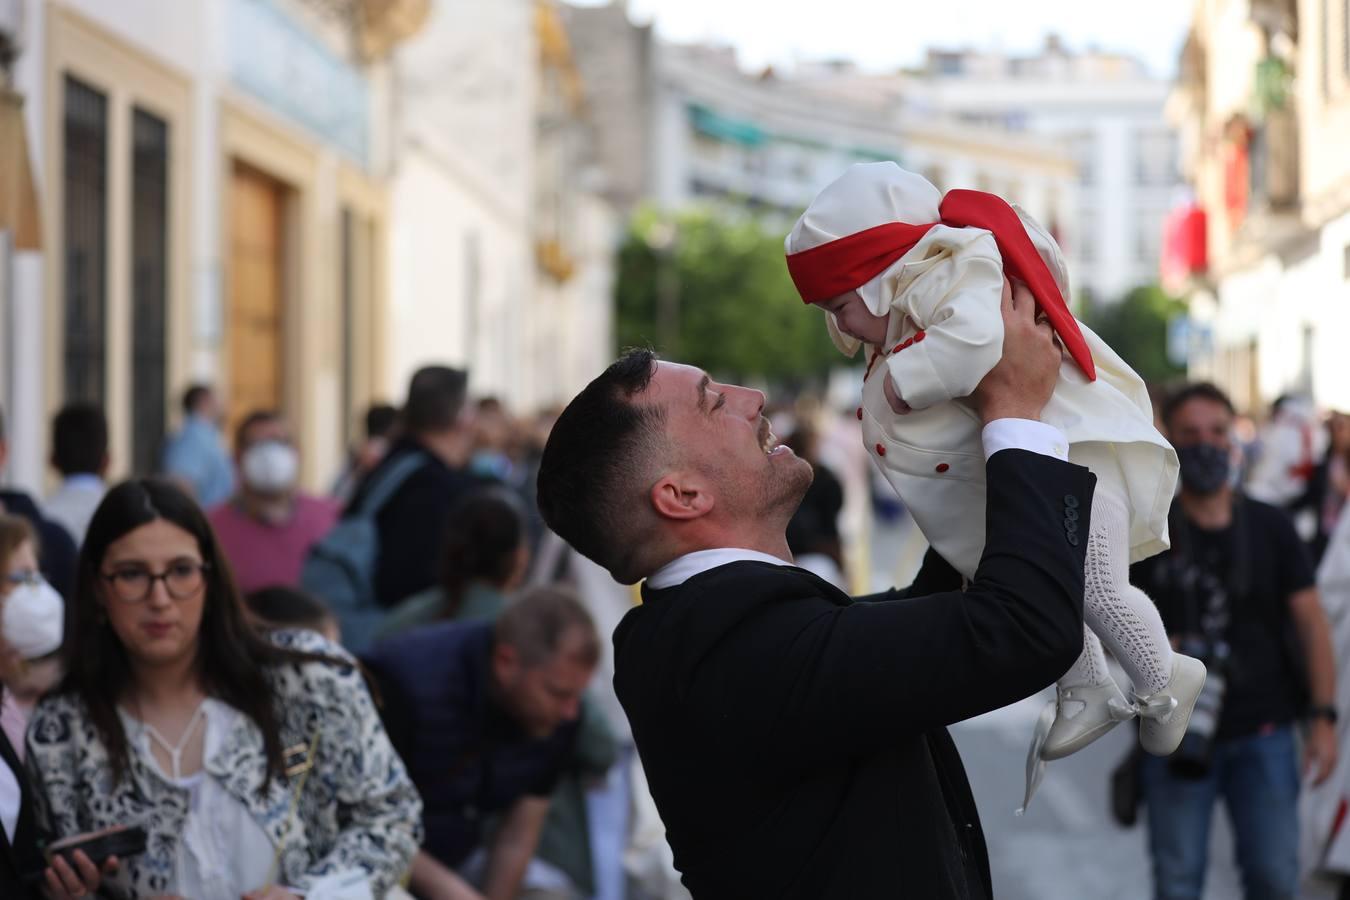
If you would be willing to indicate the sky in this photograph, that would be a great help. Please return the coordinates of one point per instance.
(886, 34)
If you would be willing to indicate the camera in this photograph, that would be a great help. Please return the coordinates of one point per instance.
(1192, 757)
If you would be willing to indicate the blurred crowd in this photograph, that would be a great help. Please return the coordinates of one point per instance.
(404, 683)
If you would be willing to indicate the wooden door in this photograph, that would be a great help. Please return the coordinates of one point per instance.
(256, 323)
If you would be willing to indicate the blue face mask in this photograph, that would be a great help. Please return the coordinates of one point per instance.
(1205, 468)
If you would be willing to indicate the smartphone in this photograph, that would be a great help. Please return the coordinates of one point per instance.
(120, 841)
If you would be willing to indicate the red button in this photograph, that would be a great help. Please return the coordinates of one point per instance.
(942, 467)
(898, 347)
(919, 336)
(860, 414)
(881, 450)
(908, 343)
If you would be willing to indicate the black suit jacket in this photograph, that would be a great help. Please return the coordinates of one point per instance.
(794, 739)
(20, 857)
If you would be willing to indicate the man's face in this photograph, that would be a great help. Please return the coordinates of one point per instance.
(543, 697)
(719, 431)
(1201, 421)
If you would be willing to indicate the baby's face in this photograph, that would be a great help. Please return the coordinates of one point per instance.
(855, 319)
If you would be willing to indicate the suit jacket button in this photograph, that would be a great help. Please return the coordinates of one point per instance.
(1071, 514)
(860, 414)
(1073, 539)
(881, 450)
(1070, 501)
(1070, 526)
(941, 467)
(918, 336)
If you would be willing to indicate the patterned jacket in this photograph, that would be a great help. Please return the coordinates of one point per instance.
(358, 810)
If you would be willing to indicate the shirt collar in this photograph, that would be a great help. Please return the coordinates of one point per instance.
(680, 570)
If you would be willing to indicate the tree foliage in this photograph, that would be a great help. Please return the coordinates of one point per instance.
(724, 275)
(1136, 328)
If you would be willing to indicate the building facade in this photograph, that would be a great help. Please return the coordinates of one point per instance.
(502, 241)
(213, 210)
(685, 124)
(1263, 101)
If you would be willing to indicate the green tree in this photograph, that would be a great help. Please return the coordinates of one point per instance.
(710, 288)
(1136, 328)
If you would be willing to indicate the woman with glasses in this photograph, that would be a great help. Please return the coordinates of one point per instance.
(257, 766)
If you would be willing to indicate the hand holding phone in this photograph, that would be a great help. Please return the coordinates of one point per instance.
(119, 840)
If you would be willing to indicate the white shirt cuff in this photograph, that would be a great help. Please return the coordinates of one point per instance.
(1024, 434)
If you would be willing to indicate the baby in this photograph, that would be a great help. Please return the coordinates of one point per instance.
(918, 279)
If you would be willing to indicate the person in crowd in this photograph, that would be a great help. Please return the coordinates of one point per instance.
(80, 457)
(1288, 453)
(381, 423)
(410, 525)
(1329, 484)
(195, 456)
(280, 607)
(257, 766)
(269, 526)
(32, 623)
(813, 531)
(486, 716)
(1236, 589)
(59, 553)
(776, 719)
(1324, 834)
(31, 614)
(483, 560)
(497, 444)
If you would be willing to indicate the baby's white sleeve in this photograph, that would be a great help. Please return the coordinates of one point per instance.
(955, 302)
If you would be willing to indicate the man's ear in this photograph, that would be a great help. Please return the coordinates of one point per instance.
(681, 495)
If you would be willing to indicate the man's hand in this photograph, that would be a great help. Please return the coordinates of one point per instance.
(1022, 382)
(898, 405)
(64, 881)
(1319, 751)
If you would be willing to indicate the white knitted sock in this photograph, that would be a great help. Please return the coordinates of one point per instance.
(1119, 613)
(1090, 667)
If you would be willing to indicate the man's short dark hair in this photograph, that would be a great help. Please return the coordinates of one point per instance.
(257, 417)
(594, 461)
(380, 420)
(79, 439)
(1200, 390)
(436, 397)
(535, 622)
(194, 395)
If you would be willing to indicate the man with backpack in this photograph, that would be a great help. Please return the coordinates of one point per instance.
(387, 546)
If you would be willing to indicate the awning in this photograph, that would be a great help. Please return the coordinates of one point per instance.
(18, 198)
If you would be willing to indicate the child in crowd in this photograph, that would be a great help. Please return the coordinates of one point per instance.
(919, 279)
(281, 607)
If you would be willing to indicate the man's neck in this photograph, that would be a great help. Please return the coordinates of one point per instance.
(1209, 511)
(272, 510)
(771, 544)
(450, 447)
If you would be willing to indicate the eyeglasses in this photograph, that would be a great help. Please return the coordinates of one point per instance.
(182, 579)
(29, 578)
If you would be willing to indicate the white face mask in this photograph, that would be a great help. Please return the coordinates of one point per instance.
(33, 619)
(270, 467)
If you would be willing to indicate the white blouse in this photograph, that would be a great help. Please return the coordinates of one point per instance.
(224, 853)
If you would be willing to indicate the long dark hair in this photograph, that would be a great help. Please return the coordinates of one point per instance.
(231, 654)
(482, 538)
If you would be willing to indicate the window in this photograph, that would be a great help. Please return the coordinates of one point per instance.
(149, 295)
(85, 222)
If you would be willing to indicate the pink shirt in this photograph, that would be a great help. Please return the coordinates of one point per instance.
(264, 555)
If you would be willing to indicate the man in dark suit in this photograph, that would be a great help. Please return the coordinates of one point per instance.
(793, 739)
